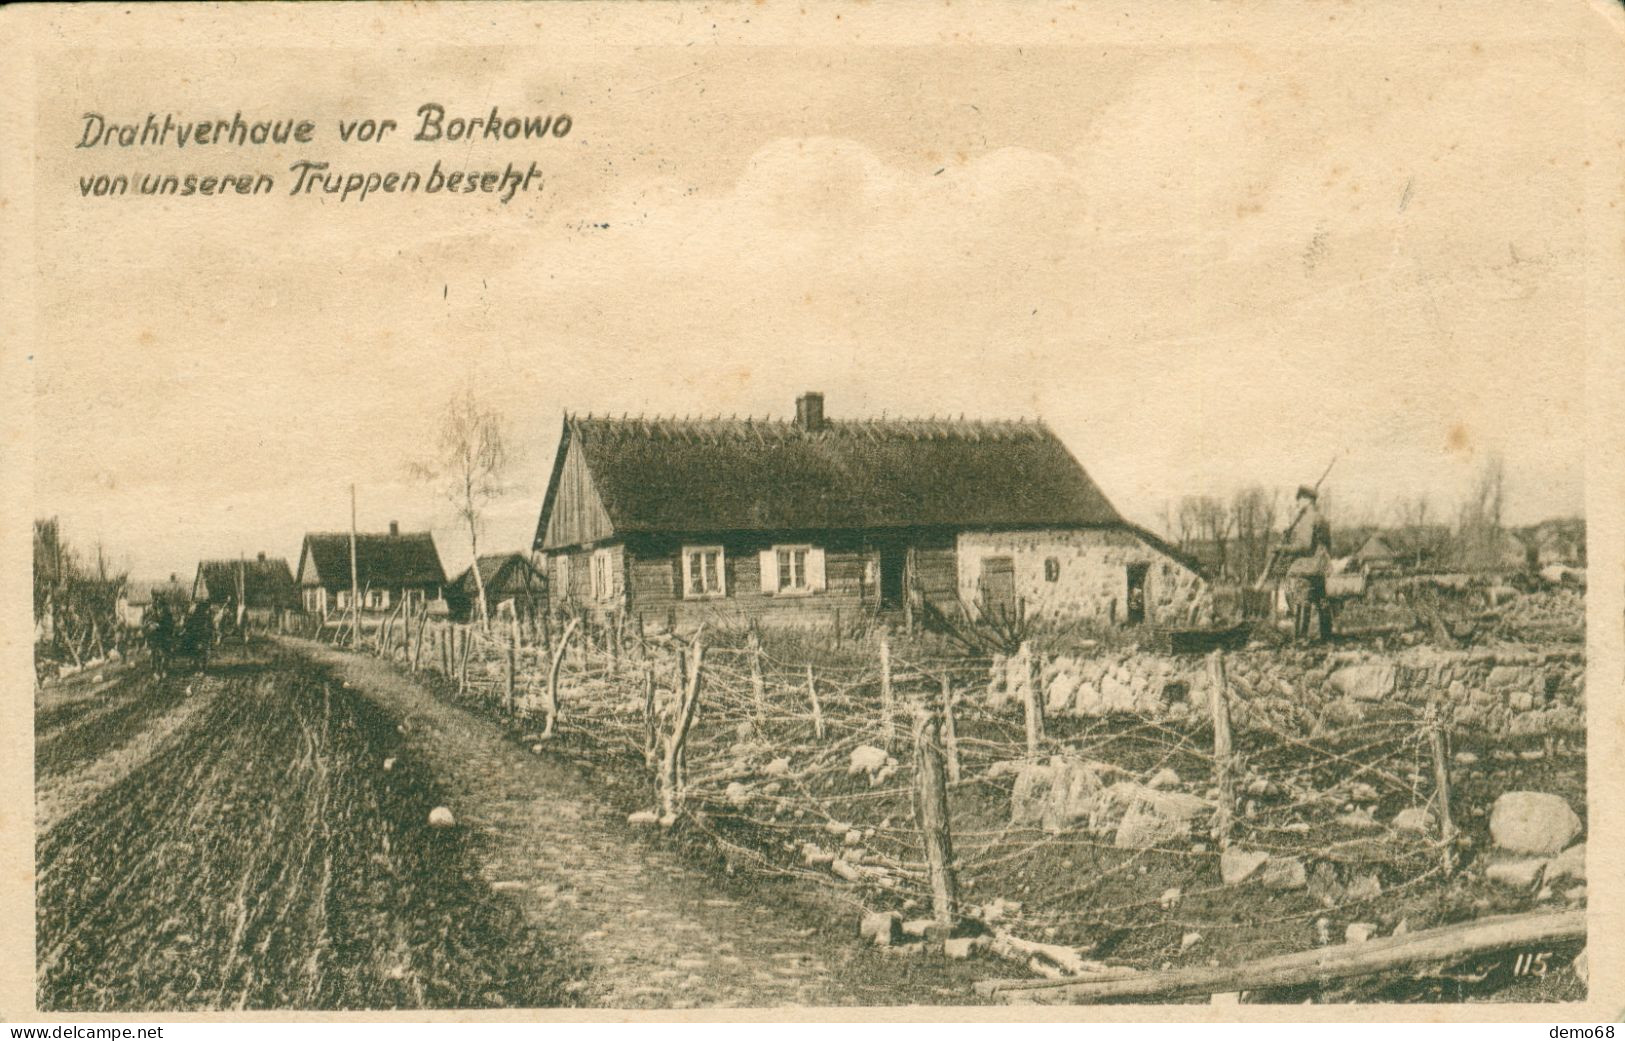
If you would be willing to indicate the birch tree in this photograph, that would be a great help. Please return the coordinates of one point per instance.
(469, 469)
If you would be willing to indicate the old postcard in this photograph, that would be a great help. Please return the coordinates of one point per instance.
(933, 511)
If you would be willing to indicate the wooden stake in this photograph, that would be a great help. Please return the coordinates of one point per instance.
(1441, 780)
(817, 710)
(1218, 694)
(513, 657)
(553, 677)
(931, 812)
(1033, 702)
(672, 766)
(758, 689)
(950, 732)
(887, 708)
(355, 583)
(417, 649)
(651, 742)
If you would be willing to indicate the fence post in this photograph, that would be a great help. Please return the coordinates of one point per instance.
(931, 810)
(672, 767)
(417, 649)
(513, 657)
(553, 677)
(463, 635)
(950, 732)
(651, 743)
(758, 689)
(817, 710)
(887, 708)
(1441, 780)
(1218, 696)
(1031, 673)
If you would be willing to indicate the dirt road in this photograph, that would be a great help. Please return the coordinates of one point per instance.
(654, 930)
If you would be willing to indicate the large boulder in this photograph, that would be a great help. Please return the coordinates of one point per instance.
(1533, 822)
(1236, 865)
(1371, 681)
(1152, 817)
(1056, 794)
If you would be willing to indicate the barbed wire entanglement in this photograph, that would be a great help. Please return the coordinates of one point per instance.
(1085, 803)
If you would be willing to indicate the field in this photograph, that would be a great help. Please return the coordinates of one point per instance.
(269, 854)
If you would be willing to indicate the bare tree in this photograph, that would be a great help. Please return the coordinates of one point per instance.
(1479, 522)
(1252, 516)
(469, 469)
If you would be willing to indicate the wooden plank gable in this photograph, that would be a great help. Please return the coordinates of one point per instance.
(574, 512)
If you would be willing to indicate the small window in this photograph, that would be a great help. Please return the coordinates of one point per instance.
(703, 572)
(603, 575)
(1052, 569)
(792, 561)
(377, 599)
(414, 598)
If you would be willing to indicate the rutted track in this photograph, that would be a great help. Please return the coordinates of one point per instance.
(263, 857)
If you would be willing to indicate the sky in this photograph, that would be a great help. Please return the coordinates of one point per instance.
(1203, 266)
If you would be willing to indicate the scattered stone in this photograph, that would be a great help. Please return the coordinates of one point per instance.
(814, 856)
(1359, 932)
(1237, 865)
(1323, 931)
(440, 817)
(1531, 754)
(1360, 791)
(965, 946)
(1164, 778)
(853, 837)
(1056, 794)
(1414, 819)
(779, 767)
(1533, 822)
(1571, 863)
(1188, 941)
(1363, 887)
(866, 759)
(1368, 682)
(845, 870)
(1154, 818)
(882, 928)
(1170, 898)
(389, 763)
(668, 820)
(1358, 820)
(1582, 966)
(642, 817)
(1519, 874)
(836, 827)
(1284, 873)
(1402, 928)
(736, 794)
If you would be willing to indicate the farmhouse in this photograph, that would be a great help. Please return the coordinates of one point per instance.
(389, 568)
(729, 521)
(509, 579)
(264, 587)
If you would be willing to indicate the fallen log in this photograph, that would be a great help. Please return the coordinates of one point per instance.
(1429, 947)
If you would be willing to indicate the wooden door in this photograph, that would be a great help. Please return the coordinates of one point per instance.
(998, 588)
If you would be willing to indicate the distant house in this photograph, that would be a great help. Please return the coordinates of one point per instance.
(138, 596)
(265, 586)
(509, 578)
(389, 568)
(685, 521)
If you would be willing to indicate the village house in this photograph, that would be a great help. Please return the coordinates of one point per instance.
(511, 582)
(389, 568)
(728, 521)
(264, 587)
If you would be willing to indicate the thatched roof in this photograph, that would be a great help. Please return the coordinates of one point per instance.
(383, 561)
(721, 475)
(267, 582)
(500, 570)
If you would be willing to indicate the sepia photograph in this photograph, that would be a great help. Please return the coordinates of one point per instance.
(700, 507)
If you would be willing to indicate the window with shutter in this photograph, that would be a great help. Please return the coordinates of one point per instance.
(703, 572)
(793, 570)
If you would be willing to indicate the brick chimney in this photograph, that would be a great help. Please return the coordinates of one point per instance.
(262, 556)
(394, 527)
(810, 411)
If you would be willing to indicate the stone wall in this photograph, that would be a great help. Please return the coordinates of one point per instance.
(1070, 575)
(1503, 691)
